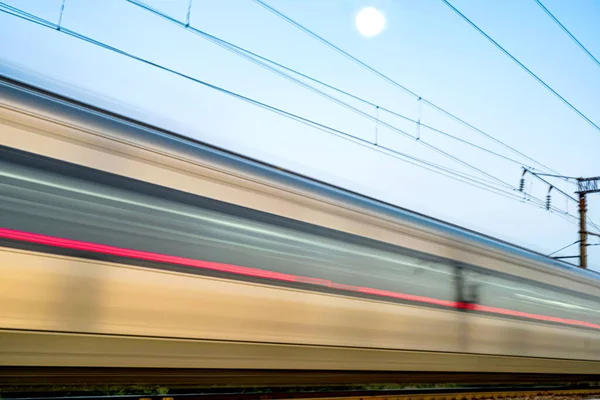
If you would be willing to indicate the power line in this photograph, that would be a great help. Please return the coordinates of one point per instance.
(269, 64)
(245, 53)
(405, 157)
(393, 82)
(441, 170)
(520, 64)
(562, 248)
(62, 11)
(391, 152)
(549, 184)
(573, 38)
(188, 13)
(264, 62)
(569, 179)
(568, 196)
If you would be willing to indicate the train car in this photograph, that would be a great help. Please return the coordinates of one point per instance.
(125, 245)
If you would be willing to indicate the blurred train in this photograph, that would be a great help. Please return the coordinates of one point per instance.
(124, 245)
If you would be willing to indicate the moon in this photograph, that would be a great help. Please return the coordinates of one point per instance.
(370, 22)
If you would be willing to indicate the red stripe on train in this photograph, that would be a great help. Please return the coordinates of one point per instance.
(261, 273)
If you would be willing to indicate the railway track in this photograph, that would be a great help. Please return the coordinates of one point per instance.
(229, 378)
(464, 393)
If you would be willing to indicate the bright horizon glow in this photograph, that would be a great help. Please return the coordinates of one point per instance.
(370, 22)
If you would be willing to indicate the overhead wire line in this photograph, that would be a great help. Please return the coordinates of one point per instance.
(264, 62)
(405, 89)
(460, 176)
(258, 60)
(394, 82)
(270, 65)
(520, 64)
(245, 54)
(441, 170)
(569, 179)
(444, 171)
(555, 188)
(568, 196)
(429, 103)
(564, 28)
(563, 248)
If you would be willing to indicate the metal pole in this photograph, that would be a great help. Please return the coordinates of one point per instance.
(582, 231)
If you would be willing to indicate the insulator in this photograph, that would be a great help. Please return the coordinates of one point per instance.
(548, 201)
(522, 185)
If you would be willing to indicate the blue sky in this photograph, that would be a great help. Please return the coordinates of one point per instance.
(425, 47)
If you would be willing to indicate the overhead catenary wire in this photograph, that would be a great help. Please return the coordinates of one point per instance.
(549, 184)
(432, 105)
(533, 201)
(565, 194)
(188, 14)
(273, 66)
(459, 176)
(455, 175)
(564, 28)
(449, 172)
(394, 82)
(563, 248)
(424, 143)
(568, 197)
(61, 12)
(406, 90)
(520, 64)
(245, 54)
(263, 62)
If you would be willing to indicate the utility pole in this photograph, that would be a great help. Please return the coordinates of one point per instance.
(585, 186)
(582, 231)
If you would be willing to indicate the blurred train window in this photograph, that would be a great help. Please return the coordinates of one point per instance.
(525, 296)
(44, 201)
(40, 201)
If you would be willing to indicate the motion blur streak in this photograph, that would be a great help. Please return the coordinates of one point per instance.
(258, 273)
(140, 255)
(124, 245)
